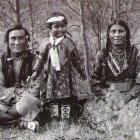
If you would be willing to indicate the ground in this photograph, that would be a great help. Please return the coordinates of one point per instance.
(121, 125)
(55, 132)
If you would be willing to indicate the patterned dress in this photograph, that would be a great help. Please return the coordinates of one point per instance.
(59, 84)
(103, 74)
(97, 111)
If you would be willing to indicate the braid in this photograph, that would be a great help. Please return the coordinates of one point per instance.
(8, 51)
(9, 70)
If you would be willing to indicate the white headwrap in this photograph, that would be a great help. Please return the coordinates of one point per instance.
(55, 19)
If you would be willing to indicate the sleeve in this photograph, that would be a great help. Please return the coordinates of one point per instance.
(96, 73)
(135, 91)
(41, 58)
(97, 84)
(78, 64)
(35, 85)
(6, 94)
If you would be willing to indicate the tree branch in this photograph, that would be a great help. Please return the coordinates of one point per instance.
(70, 7)
(6, 15)
(11, 5)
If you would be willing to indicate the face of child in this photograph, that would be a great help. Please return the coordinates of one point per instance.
(58, 29)
(117, 35)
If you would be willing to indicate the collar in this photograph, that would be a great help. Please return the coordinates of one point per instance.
(55, 41)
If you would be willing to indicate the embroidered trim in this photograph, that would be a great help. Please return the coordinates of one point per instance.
(116, 64)
(118, 53)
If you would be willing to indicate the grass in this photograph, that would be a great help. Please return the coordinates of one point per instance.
(99, 122)
(57, 131)
(109, 125)
(120, 125)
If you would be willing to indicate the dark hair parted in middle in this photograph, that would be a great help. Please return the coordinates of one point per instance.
(123, 24)
(16, 27)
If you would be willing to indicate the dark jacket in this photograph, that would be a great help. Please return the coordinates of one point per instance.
(61, 84)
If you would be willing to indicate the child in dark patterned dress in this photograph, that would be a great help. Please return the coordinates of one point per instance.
(58, 55)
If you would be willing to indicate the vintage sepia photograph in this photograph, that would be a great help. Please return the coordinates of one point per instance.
(69, 69)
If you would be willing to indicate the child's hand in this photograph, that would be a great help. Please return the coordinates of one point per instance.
(17, 98)
(18, 93)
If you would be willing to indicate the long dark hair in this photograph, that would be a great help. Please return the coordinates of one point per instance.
(12, 28)
(8, 66)
(123, 24)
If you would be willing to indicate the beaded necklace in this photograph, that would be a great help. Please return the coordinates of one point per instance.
(117, 62)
